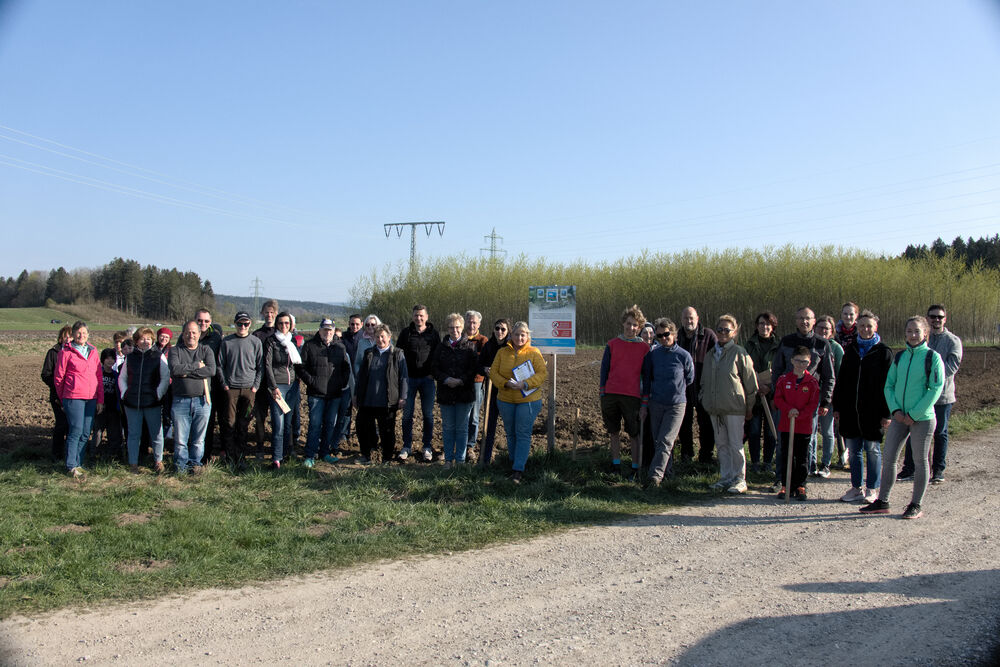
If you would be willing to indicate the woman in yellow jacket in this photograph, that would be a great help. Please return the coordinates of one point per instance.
(519, 400)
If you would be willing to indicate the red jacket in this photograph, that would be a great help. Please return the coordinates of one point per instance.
(76, 377)
(802, 395)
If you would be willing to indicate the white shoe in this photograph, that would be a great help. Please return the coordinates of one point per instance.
(855, 494)
(428, 455)
(871, 495)
(739, 487)
(404, 454)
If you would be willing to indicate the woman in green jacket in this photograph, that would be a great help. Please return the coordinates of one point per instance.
(913, 385)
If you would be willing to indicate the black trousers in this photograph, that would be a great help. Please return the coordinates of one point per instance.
(59, 431)
(706, 435)
(377, 426)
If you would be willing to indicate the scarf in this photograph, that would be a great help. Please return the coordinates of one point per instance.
(864, 346)
(286, 340)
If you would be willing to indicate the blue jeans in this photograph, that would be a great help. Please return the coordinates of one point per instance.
(518, 419)
(281, 425)
(825, 431)
(343, 422)
(151, 419)
(873, 462)
(477, 405)
(812, 443)
(80, 418)
(425, 386)
(324, 414)
(190, 416)
(755, 429)
(455, 428)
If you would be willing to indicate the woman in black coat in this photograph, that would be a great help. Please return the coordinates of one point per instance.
(859, 402)
(455, 363)
(501, 331)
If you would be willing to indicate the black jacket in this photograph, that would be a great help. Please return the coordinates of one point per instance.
(396, 377)
(278, 367)
(460, 361)
(49, 370)
(418, 348)
(821, 366)
(143, 370)
(326, 369)
(489, 353)
(859, 396)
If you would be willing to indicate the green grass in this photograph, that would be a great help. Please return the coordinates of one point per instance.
(62, 542)
(40, 319)
(972, 421)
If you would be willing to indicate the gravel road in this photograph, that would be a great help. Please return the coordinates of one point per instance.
(744, 580)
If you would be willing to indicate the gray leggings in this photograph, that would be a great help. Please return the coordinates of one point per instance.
(920, 440)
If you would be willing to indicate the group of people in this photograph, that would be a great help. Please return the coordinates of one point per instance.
(145, 388)
(829, 382)
(833, 382)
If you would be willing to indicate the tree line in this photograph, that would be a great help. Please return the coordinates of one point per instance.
(984, 249)
(123, 284)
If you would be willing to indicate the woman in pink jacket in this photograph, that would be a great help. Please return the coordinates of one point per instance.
(79, 384)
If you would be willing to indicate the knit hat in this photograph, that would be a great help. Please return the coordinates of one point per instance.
(164, 330)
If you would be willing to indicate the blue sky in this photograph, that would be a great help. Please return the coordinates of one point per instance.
(273, 140)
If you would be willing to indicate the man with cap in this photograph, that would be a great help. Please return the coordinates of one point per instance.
(326, 372)
(239, 370)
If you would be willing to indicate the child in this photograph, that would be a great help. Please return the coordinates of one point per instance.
(796, 394)
(109, 420)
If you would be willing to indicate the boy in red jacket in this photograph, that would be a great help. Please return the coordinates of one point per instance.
(796, 394)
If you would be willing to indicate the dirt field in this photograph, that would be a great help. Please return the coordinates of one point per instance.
(25, 416)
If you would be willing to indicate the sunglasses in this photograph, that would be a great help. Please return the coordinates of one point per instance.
(723, 330)
(664, 335)
(935, 317)
(203, 321)
(242, 324)
(499, 328)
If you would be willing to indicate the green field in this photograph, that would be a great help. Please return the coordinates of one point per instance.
(40, 319)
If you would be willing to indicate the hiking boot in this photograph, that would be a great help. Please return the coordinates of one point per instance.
(824, 472)
(308, 462)
(912, 511)
(800, 493)
(134, 469)
(877, 506)
(904, 477)
(854, 495)
(516, 477)
(739, 487)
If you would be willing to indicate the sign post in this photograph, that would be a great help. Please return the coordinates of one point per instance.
(552, 319)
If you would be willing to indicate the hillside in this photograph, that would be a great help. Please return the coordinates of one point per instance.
(304, 311)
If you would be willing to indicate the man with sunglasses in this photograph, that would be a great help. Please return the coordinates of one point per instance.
(210, 336)
(239, 370)
(949, 346)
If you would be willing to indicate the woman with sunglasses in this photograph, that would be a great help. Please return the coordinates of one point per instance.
(501, 330)
(728, 392)
(364, 340)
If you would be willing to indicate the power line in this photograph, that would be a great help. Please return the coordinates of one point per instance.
(493, 249)
(255, 288)
(399, 226)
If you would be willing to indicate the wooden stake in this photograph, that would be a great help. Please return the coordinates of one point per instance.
(788, 465)
(486, 457)
(576, 431)
(552, 407)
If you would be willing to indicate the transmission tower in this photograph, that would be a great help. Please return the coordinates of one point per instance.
(493, 249)
(428, 228)
(255, 286)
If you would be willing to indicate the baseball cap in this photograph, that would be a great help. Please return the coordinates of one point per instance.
(242, 315)
(326, 323)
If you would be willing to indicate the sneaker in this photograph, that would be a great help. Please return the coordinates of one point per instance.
(404, 454)
(308, 462)
(158, 467)
(516, 477)
(938, 478)
(778, 487)
(800, 493)
(875, 507)
(912, 511)
(330, 458)
(76, 473)
(824, 472)
(720, 485)
(364, 460)
(653, 483)
(470, 454)
(428, 454)
(739, 487)
(781, 494)
(871, 495)
(852, 496)
(904, 477)
(134, 469)
(276, 465)
(448, 465)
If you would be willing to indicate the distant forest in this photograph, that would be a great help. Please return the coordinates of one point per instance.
(985, 250)
(141, 291)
